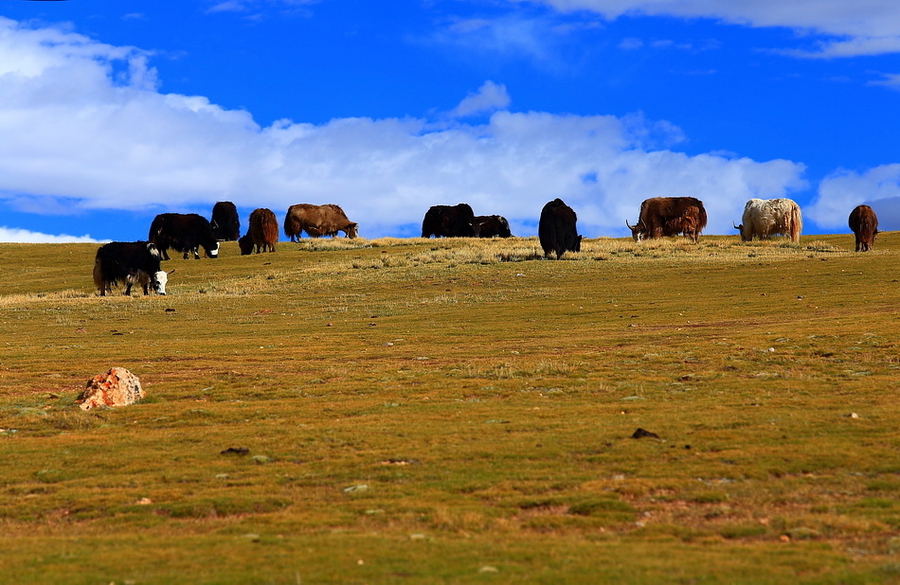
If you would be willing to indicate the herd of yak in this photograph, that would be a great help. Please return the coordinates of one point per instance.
(140, 262)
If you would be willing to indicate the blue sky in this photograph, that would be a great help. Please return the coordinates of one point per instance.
(113, 111)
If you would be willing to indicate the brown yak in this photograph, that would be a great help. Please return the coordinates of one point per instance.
(317, 221)
(864, 224)
(262, 233)
(669, 216)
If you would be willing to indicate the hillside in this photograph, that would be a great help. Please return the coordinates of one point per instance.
(432, 411)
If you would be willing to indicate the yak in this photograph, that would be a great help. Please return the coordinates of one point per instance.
(669, 216)
(556, 229)
(225, 223)
(763, 218)
(131, 263)
(262, 232)
(491, 226)
(449, 221)
(183, 233)
(317, 221)
(864, 224)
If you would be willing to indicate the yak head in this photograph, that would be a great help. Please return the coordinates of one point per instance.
(212, 251)
(745, 236)
(159, 281)
(245, 243)
(638, 230)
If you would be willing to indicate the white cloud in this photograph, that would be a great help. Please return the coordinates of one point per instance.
(79, 135)
(838, 17)
(241, 6)
(864, 27)
(852, 47)
(891, 80)
(512, 36)
(228, 6)
(840, 192)
(27, 237)
(489, 97)
(631, 44)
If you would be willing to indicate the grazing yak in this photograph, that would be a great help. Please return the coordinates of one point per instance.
(131, 263)
(225, 223)
(556, 230)
(491, 226)
(183, 233)
(669, 216)
(317, 221)
(262, 232)
(864, 224)
(449, 221)
(766, 217)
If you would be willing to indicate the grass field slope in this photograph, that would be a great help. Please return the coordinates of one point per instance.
(458, 411)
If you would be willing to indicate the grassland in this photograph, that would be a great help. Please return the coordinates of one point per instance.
(458, 411)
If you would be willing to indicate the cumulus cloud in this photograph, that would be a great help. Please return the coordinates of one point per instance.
(866, 27)
(844, 190)
(85, 128)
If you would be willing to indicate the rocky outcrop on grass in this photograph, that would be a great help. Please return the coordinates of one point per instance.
(116, 387)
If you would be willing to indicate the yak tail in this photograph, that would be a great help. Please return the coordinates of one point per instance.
(291, 226)
(796, 223)
(868, 225)
(98, 276)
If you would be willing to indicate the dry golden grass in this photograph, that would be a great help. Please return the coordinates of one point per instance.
(456, 411)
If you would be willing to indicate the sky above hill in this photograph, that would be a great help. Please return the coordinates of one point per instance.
(112, 111)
